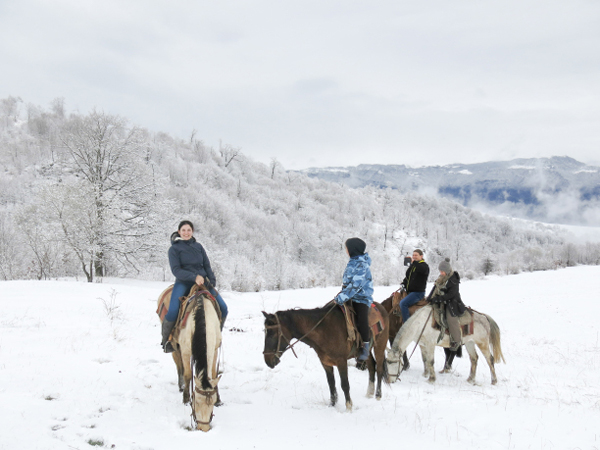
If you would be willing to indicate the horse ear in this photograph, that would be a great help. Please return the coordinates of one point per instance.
(265, 314)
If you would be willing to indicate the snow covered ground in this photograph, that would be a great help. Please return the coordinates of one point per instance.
(81, 366)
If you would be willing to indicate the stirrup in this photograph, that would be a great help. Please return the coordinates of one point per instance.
(168, 348)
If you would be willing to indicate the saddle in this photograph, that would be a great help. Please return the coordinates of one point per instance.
(185, 308)
(376, 323)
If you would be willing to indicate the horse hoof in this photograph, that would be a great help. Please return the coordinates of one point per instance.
(349, 406)
(494, 382)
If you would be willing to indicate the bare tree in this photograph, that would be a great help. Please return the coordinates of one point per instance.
(113, 190)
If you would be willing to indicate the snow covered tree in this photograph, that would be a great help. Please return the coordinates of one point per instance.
(108, 208)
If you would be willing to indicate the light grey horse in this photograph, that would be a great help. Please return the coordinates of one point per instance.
(486, 335)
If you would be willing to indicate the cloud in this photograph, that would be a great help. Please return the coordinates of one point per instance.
(320, 83)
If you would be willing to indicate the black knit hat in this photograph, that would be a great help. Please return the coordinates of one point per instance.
(356, 247)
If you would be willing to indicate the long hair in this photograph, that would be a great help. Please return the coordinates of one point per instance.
(199, 348)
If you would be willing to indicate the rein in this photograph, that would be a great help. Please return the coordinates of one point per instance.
(278, 352)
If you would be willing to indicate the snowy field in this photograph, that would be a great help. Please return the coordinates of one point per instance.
(81, 367)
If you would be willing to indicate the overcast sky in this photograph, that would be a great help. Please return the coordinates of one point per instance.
(321, 83)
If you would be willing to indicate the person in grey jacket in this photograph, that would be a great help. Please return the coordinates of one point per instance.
(446, 293)
(190, 265)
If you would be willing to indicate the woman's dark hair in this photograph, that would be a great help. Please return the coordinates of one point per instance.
(185, 222)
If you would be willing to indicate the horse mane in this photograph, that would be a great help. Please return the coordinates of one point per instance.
(199, 348)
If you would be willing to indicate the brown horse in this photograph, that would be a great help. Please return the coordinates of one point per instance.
(395, 317)
(324, 329)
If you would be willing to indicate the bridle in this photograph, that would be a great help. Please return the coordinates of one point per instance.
(207, 393)
(280, 335)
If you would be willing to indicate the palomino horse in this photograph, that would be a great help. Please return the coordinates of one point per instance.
(324, 329)
(198, 345)
(419, 328)
(396, 322)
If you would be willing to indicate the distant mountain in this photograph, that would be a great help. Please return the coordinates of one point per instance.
(555, 190)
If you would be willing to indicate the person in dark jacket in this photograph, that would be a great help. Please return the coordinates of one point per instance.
(415, 283)
(190, 265)
(357, 287)
(446, 292)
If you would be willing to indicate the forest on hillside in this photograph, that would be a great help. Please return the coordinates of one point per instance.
(92, 196)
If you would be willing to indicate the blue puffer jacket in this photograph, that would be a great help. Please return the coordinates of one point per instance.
(188, 259)
(357, 281)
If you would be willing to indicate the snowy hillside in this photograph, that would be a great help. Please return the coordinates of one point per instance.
(555, 190)
(264, 228)
(81, 366)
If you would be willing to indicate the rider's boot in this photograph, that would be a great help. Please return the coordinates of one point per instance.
(364, 352)
(167, 327)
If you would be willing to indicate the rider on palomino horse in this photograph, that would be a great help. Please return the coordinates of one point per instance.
(190, 265)
(358, 287)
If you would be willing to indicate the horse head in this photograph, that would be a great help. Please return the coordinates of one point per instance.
(204, 400)
(275, 340)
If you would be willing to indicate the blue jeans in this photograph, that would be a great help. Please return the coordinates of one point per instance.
(410, 300)
(183, 289)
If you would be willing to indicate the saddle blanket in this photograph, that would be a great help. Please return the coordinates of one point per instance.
(164, 300)
(375, 320)
(466, 323)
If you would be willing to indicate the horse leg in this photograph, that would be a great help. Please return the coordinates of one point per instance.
(449, 354)
(179, 363)
(379, 361)
(331, 382)
(371, 367)
(219, 402)
(406, 365)
(343, 370)
(485, 349)
(425, 365)
(187, 375)
(473, 355)
(427, 352)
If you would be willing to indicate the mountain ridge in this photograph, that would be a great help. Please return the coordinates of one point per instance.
(556, 189)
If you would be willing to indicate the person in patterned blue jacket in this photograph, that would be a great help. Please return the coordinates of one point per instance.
(358, 288)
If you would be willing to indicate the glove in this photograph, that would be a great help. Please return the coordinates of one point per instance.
(341, 298)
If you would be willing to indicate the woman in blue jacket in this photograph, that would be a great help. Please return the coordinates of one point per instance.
(190, 265)
(357, 287)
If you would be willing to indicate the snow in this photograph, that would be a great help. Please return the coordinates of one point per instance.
(80, 364)
(519, 167)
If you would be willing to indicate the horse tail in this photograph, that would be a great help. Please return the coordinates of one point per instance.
(495, 340)
(199, 347)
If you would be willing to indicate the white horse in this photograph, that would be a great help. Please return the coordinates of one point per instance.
(486, 335)
(198, 345)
